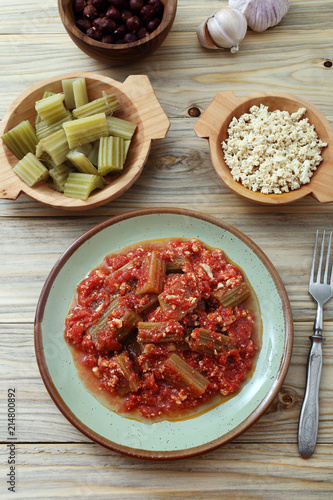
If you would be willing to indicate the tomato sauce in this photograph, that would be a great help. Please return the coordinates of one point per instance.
(163, 329)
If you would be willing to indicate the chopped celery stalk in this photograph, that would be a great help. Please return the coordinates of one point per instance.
(122, 387)
(159, 332)
(80, 92)
(180, 373)
(154, 274)
(102, 320)
(85, 149)
(106, 104)
(207, 342)
(120, 128)
(67, 88)
(127, 143)
(126, 367)
(41, 154)
(46, 94)
(93, 154)
(47, 161)
(129, 320)
(110, 155)
(85, 130)
(81, 162)
(31, 170)
(53, 186)
(59, 176)
(55, 145)
(153, 301)
(176, 265)
(80, 185)
(43, 130)
(21, 139)
(182, 291)
(134, 347)
(51, 109)
(232, 297)
(44, 158)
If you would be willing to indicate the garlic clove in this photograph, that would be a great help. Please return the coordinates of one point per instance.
(225, 29)
(204, 37)
(261, 14)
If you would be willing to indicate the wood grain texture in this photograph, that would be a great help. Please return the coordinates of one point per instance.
(88, 471)
(53, 459)
(279, 424)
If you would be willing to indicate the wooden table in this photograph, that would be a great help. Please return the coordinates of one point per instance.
(53, 459)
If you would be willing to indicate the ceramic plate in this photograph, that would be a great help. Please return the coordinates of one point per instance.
(166, 439)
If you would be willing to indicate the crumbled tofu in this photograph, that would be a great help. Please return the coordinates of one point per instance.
(115, 323)
(272, 152)
(97, 372)
(207, 269)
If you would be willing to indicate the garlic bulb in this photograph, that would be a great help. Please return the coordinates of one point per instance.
(261, 14)
(225, 29)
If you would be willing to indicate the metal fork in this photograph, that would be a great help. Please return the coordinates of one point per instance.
(321, 289)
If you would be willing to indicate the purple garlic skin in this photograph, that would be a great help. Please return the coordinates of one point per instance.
(261, 14)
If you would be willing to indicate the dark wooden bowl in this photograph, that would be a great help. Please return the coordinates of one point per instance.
(113, 53)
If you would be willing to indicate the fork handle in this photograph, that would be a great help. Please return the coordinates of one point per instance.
(309, 416)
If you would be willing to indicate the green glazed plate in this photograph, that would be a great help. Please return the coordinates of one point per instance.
(166, 439)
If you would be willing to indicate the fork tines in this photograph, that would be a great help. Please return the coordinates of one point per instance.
(322, 278)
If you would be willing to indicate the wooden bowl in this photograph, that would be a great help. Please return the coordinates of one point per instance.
(113, 53)
(138, 104)
(213, 125)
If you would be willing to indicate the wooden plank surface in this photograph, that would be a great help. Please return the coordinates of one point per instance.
(53, 459)
(279, 425)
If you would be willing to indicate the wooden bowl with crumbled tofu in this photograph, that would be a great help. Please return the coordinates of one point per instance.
(137, 104)
(269, 147)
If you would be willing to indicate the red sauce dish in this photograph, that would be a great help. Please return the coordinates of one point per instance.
(137, 345)
(163, 329)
